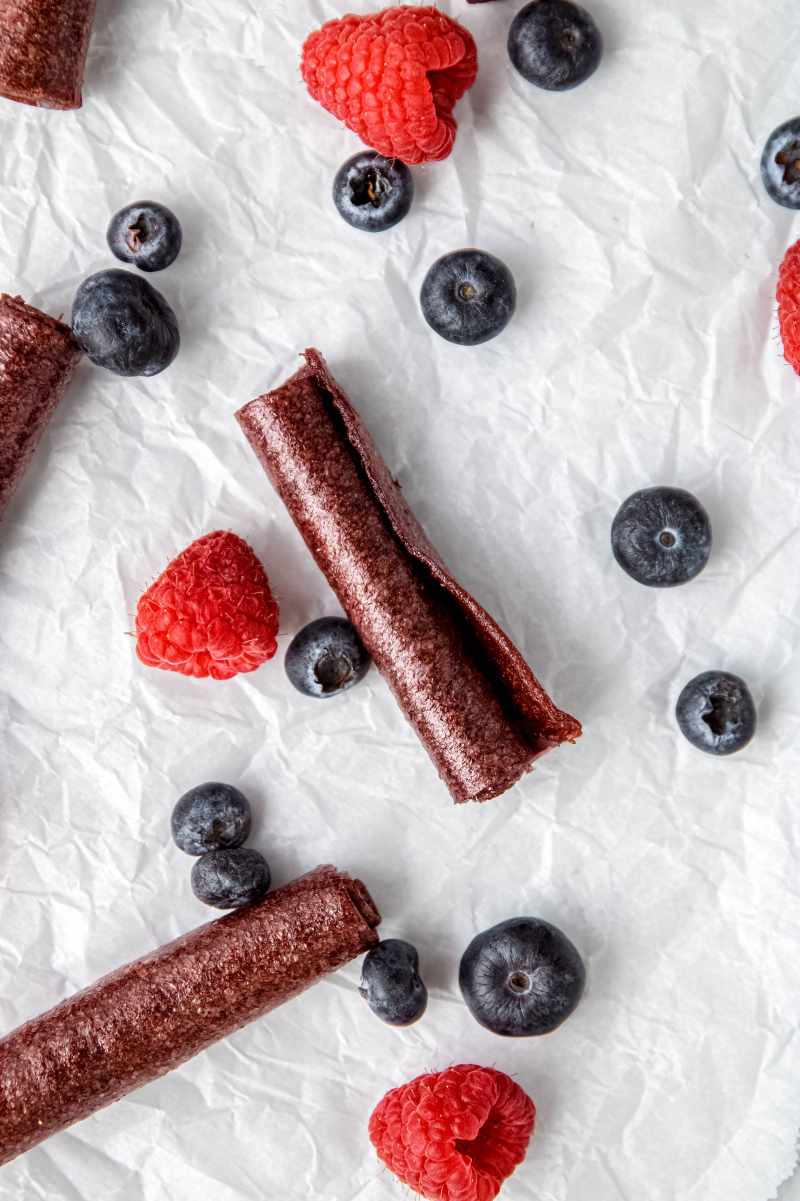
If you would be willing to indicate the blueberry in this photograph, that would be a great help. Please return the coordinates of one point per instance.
(231, 879)
(715, 711)
(554, 44)
(468, 297)
(124, 324)
(373, 193)
(211, 817)
(326, 658)
(661, 537)
(780, 164)
(146, 234)
(391, 984)
(521, 977)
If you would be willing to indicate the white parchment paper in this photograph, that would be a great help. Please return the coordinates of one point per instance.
(644, 351)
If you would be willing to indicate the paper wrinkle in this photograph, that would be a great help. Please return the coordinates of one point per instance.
(645, 350)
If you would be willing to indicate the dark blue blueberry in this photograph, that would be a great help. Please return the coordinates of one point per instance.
(326, 658)
(522, 977)
(146, 234)
(661, 537)
(391, 984)
(211, 817)
(231, 879)
(468, 297)
(716, 713)
(555, 44)
(780, 164)
(373, 193)
(124, 324)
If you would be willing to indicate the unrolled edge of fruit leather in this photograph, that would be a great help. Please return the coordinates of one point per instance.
(412, 614)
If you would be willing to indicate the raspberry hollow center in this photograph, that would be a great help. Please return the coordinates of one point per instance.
(481, 1150)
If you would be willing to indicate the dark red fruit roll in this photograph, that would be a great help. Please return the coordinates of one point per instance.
(37, 358)
(43, 47)
(480, 712)
(147, 1018)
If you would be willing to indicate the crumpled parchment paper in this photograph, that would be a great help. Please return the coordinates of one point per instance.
(644, 350)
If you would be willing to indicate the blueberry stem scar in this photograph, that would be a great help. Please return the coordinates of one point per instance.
(371, 189)
(790, 160)
(332, 671)
(718, 716)
(137, 234)
(519, 982)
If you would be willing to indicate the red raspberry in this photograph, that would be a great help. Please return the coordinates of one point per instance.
(393, 78)
(210, 613)
(454, 1135)
(789, 305)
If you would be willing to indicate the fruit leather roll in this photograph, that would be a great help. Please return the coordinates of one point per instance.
(37, 358)
(43, 46)
(476, 705)
(149, 1017)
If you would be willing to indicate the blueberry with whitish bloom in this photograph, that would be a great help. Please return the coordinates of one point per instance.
(146, 234)
(661, 537)
(522, 977)
(123, 324)
(373, 193)
(391, 984)
(780, 164)
(716, 712)
(326, 657)
(211, 817)
(468, 296)
(231, 879)
(555, 44)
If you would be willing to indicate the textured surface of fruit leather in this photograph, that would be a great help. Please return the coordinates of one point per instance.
(152, 1015)
(38, 357)
(644, 350)
(43, 48)
(479, 710)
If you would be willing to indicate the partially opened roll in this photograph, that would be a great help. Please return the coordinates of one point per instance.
(43, 47)
(479, 710)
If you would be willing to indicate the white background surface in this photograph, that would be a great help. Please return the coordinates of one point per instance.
(644, 351)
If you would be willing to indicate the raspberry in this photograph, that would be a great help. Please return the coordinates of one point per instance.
(454, 1135)
(789, 305)
(210, 613)
(393, 78)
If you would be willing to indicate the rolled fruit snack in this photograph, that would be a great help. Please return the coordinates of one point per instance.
(43, 47)
(37, 358)
(479, 710)
(147, 1018)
